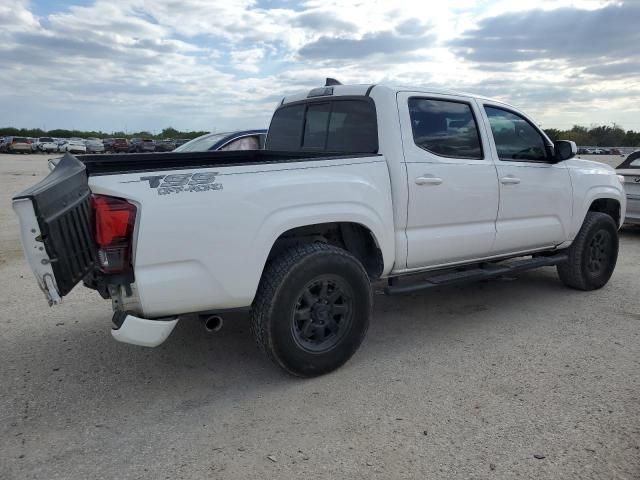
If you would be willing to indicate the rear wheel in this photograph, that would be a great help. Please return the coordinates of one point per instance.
(592, 255)
(312, 309)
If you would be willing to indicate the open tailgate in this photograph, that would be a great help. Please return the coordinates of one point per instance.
(55, 228)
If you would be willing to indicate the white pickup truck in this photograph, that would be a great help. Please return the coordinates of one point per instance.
(421, 187)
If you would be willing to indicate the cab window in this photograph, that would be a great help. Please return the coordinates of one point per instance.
(334, 125)
(515, 138)
(445, 128)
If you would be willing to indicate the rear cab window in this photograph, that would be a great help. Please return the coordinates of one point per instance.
(338, 125)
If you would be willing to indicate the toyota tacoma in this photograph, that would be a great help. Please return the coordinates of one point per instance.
(357, 183)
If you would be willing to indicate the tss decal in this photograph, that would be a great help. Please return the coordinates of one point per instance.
(182, 182)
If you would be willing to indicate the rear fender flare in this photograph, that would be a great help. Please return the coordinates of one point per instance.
(283, 220)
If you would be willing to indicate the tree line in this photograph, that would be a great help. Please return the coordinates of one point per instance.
(594, 136)
(63, 133)
(597, 136)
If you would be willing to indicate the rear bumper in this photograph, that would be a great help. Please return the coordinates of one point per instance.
(13, 148)
(128, 328)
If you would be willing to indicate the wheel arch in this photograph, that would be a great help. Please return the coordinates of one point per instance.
(354, 237)
(605, 199)
(610, 206)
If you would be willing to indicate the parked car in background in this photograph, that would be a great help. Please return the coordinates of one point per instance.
(166, 145)
(118, 145)
(630, 170)
(241, 140)
(181, 141)
(73, 146)
(16, 145)
(142, 145)
(94, 145)
(46, 145)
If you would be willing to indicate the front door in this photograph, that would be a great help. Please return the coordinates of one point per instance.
(535, 191)
(452, 181)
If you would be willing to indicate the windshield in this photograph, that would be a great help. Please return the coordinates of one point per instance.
(46, 139)
(201, 144)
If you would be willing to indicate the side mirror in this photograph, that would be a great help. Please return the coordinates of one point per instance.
(564, 150)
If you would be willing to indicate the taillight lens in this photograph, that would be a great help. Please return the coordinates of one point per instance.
(113, 223)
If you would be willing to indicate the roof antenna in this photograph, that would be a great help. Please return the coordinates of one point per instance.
(331, 81)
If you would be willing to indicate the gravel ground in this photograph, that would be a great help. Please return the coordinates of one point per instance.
(514, 378)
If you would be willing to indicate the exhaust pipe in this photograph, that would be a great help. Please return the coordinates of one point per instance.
(212, 323)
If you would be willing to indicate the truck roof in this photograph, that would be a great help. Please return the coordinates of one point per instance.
(364, 89)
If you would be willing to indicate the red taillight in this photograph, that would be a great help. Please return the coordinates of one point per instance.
(113, 221)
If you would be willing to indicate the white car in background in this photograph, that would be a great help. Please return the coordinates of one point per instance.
(73, 146)
(46, 145)
(94, 145)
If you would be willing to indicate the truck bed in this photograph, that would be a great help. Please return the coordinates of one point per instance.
(144, 162)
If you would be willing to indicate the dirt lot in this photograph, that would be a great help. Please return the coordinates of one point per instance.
(467, 382)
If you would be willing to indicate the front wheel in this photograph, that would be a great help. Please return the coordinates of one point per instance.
(592, 255)
(312, 309)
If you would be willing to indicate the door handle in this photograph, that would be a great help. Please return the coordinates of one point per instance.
(428, 180)
(509, 180)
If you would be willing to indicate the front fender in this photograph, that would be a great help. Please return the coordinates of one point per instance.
(592, 194)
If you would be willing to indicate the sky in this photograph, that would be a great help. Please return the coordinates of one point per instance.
(220, 65)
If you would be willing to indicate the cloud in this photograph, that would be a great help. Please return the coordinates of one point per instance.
(322, 21)
(412, 26)
(617, 69)
(207, 64)
(610, 32)
(379, 43)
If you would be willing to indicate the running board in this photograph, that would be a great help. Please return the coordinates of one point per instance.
(483, 272)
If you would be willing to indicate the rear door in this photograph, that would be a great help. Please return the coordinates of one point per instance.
(452, 181)
(55, 228)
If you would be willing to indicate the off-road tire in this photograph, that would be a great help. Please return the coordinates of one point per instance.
(595, 244)
(275, 307)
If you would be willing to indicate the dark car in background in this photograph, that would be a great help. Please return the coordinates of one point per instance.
(141, 145)
(241, 140)
(166, 145)
(117, 145)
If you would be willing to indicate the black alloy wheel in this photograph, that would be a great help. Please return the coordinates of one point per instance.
(323, 313)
